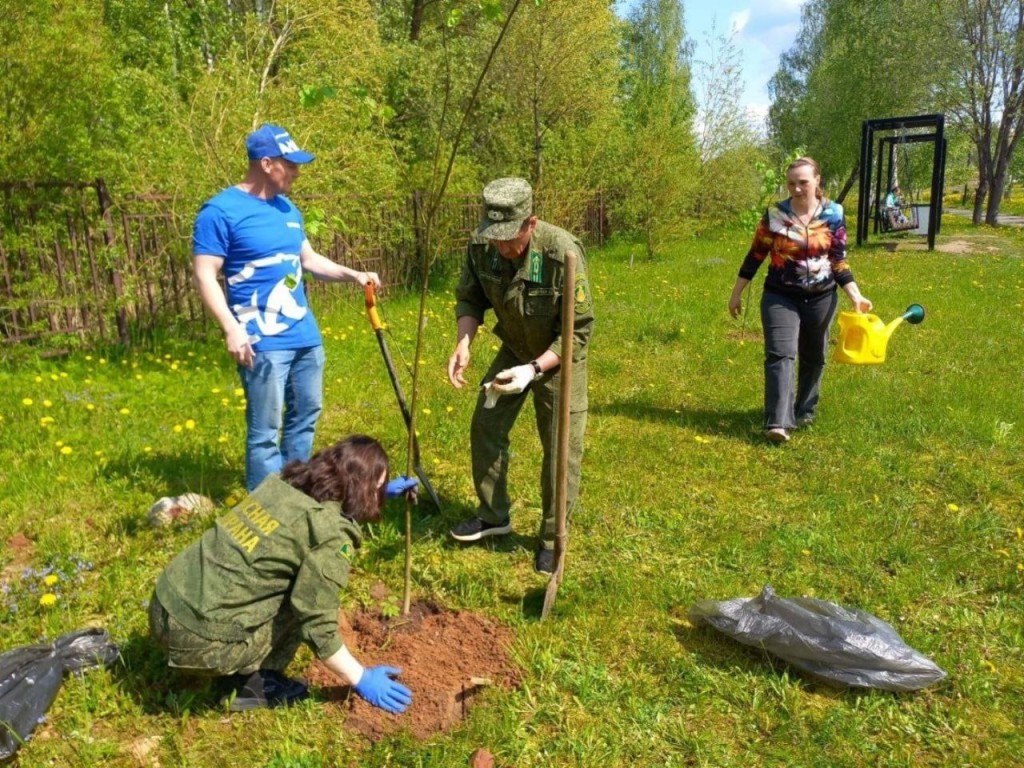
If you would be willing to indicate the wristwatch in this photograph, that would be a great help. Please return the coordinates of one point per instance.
(537, 372)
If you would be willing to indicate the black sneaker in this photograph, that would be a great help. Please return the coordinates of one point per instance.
(475, 529)
(544, 561)
(263, 688)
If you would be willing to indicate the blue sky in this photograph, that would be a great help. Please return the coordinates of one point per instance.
(765, 28)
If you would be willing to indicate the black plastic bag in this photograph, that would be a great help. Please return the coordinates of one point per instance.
(30, 677)
(842, 647)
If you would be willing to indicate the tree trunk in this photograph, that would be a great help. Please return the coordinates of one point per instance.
(538, 146)
(416, 19)
(849, 184)
(984, 175)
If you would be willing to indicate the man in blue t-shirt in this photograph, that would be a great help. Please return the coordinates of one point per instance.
(254, 233)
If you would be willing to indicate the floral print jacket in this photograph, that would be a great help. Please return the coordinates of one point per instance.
(805, 260)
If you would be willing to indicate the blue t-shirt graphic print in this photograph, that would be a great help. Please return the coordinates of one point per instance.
(260, 242)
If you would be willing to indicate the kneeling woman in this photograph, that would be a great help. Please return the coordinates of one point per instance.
(238, 602)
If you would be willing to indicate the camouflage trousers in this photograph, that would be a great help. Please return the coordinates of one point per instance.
(271, 646)
(489, 443)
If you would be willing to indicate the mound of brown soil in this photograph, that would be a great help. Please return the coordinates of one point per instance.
(447, 658)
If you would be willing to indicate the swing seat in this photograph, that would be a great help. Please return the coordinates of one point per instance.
(899, 218)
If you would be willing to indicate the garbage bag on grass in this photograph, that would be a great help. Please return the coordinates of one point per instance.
(841, 646)
(30, 677)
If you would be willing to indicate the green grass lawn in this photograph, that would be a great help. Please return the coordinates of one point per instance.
(906, 499)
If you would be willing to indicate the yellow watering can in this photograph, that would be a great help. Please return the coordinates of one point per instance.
(863, 337)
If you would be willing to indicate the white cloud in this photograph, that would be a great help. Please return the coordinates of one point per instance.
(738, 21)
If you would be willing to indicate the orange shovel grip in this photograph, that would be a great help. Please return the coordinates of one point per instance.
(371, 307)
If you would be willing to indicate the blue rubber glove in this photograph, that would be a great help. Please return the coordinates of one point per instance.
(377, 687)
(400, 485)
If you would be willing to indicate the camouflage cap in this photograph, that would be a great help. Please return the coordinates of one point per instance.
(508, 203)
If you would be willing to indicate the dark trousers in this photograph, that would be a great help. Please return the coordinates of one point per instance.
(271, 646)
(795, 333)
(489, 443)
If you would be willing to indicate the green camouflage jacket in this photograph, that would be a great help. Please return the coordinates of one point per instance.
(526, 294)
(276, 546)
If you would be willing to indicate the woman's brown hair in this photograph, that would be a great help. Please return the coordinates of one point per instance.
(806, 160)
(347, 471)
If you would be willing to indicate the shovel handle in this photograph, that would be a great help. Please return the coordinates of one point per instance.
(370, 294)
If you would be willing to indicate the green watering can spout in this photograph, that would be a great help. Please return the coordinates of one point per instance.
(914, 314)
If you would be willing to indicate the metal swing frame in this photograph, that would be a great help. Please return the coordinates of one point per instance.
(869, 209)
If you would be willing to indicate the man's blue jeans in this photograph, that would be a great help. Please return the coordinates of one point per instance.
(288, 379)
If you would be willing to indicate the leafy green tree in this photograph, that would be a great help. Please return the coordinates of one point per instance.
(559, 70)
(661, 162)
(853, 60)
(985, 96)
(728, 144)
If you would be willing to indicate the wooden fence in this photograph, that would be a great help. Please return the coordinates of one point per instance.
(78, 268)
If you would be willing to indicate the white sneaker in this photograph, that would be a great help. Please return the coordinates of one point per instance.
(777, 435)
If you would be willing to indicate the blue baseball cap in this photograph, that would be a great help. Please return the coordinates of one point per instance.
(274, 141)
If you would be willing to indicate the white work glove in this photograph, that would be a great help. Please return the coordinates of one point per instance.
(512, 381)
(490, 396)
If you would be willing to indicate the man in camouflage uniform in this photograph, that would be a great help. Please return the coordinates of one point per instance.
(515, 267)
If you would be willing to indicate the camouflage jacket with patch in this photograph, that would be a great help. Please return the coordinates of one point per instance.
(277, 546)
(526, 294)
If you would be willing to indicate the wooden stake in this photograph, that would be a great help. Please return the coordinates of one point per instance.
(562, 455)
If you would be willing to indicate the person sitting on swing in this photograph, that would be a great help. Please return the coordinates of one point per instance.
(892, 208)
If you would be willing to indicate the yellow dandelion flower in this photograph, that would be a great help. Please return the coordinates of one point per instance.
(224, 401)
(26, 401)
(1020, 567)
(48, 600)
(124, 411)
(215, 391)
(805, 552)
(989, 665)
(103, 361)
(58, 444)
(51, 580)
(53, 377)
(1020, 532)
(47, 403)
(167, 357)
(952, 507)
(222, 439)
(230, 501)
(63, 375)
(176, 428)
(90, 407)
(147, 449)
(66, 450)
(174, 366)
(239, 392)
(89, 358)
(427, 411)
(46, 421)
(449, 408)
(138, 377)
(38, 379)
(701, 439)
(190, 424)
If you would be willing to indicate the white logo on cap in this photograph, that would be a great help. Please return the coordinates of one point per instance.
(289, 146)
(494, 215)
